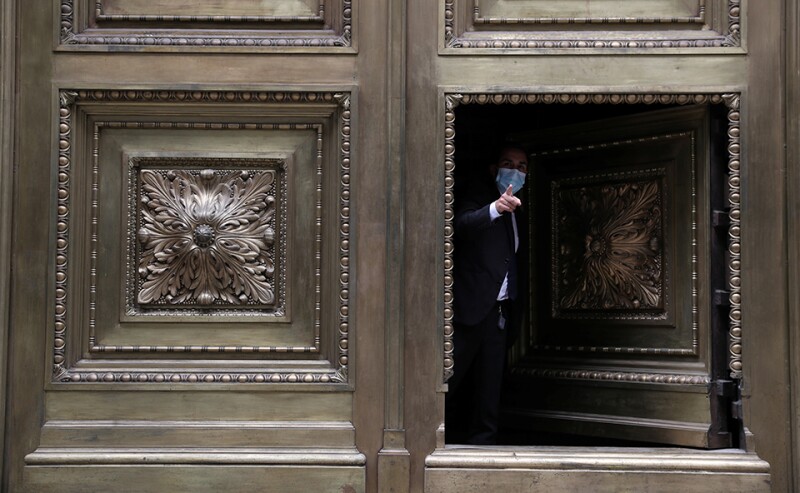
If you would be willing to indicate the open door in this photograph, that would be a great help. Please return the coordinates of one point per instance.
(624, 340)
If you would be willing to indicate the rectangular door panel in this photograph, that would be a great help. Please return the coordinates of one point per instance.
(596, 26)
(296, 25)
(284, 10)
(541, 12)
(191, 237)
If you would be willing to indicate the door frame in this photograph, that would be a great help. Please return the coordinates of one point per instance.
(730, 97)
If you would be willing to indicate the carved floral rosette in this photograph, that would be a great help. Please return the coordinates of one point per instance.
(205, 237)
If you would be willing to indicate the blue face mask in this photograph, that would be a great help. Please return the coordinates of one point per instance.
(507, 176)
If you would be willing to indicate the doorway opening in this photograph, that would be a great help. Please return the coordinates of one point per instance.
(631, 328)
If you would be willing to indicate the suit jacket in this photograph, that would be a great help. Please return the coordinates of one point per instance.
(483, 252)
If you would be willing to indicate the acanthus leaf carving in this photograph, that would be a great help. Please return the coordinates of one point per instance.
(66, 98)
(206, 237)
(452, 101)
(343, 100)
(731, 100)
(609, 246)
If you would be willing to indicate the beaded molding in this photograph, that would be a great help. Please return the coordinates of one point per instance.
(71, 36)
(452, 39)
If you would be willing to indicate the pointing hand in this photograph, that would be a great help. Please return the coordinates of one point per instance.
(507, 202)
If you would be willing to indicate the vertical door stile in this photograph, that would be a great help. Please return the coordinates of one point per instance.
(8, 84)
(793, 172)
(394, 458)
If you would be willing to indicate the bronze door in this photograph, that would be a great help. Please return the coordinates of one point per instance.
(189, 247)
(233, 247)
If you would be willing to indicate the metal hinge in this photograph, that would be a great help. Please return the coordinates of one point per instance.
(736, 410)
(722, 297)
(723, 388)
(720, 219)
(727, 389)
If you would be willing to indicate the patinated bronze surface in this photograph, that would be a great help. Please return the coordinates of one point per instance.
(279, 318)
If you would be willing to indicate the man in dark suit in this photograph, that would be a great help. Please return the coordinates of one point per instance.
(489, 295)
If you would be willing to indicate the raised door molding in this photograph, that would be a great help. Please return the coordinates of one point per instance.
(220, 240)
(324, 26)
(602, 26)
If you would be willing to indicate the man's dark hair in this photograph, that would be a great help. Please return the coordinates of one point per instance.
(498, 149)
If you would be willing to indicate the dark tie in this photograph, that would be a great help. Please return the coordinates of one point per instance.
(512, 262)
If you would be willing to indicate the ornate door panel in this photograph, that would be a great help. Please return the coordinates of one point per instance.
(623, 332)
(187, 237)
(539, 26)
(117, 25)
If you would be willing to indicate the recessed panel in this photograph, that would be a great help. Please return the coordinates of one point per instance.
(282, 9)
(212, 235)
(626, 265)
(622, 232)
(191, 231)
(540, 26)
(533, 11)
(608, 240)
(215, 25)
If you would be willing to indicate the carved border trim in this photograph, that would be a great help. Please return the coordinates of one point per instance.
(730, 38)
(202, 377)
(69, 36)
(611, 376)
(68, 100)
(734, 236)
(731, 101)
(101, 17)
(477, 18)
(451, 102)
(344, 236)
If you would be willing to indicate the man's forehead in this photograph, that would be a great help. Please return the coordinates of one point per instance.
(514, 154)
